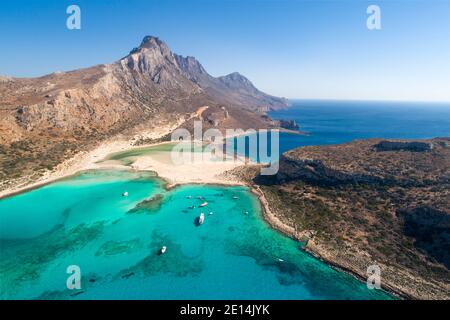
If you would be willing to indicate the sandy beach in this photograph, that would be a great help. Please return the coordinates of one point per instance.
(205, 171)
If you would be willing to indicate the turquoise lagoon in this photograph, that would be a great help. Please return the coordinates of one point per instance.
(85, 221)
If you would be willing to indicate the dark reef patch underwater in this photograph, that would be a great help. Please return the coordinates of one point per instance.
(85, 221)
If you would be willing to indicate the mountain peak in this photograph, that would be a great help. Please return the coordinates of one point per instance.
(152, 42)
(236, 78)
(235, 75)
(154, 60)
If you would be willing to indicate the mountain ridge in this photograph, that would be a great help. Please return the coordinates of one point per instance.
(54, 116)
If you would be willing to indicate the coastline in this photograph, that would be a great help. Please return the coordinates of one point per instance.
(274, 222)
(206, 172)
(272, 218)
(82, 161)
(86, 161)
(363, 278)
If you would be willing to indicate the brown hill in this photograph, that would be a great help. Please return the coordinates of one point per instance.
(372, 202)
(44, 120)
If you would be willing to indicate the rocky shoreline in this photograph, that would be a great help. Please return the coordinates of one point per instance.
(275, 222)
(239, 174)
(370, 202)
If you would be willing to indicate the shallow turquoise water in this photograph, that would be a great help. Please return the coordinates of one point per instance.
(85, 221)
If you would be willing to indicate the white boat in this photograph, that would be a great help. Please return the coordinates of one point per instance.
(246, 212)
(235, 197)
(204, 204)
(125, 194)
(211, 213)
(201, 219)
(163, 249)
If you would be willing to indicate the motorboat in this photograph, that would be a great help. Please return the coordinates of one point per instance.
(201, 219)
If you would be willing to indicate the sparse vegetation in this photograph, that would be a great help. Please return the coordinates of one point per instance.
(359, 206)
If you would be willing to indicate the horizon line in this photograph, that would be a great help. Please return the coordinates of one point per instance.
(369, 100)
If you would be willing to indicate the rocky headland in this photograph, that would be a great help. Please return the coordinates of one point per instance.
(369, 202)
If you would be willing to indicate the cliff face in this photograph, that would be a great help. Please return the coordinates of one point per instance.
(52, 117)
(374, 162)
(372, 202)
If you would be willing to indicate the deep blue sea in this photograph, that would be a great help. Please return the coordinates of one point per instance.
(332, 122)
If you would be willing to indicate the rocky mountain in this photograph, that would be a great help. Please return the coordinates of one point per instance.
(46, 119)
(371, 202)
(230, 89)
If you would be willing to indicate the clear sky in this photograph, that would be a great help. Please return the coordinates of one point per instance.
(292, 48)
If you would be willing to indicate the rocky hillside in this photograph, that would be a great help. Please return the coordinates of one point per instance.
(45, 120)
(372, 202)
(230, 89)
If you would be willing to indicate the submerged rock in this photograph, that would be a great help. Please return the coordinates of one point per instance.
(148, 206)
(111, 248)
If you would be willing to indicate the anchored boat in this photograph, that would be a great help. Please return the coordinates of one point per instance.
(201, 219)
(204, 204)
(163, 250)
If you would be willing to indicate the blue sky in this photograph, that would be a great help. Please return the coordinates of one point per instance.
(292, 48)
